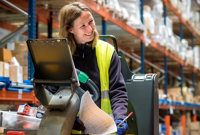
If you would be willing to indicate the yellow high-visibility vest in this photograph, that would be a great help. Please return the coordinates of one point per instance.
(104, 52)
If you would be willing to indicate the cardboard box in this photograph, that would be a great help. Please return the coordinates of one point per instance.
(175, 94)
(25, 72)
(1, 68)
(5, 55)
(197, 99)
(21, 53)
(6, 68)
(16, 73)
(194, 132)
(194, 126)
(2, 130)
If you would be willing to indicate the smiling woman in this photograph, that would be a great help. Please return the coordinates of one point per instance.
(97, 59)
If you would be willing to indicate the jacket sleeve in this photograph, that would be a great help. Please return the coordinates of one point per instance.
(117, 92)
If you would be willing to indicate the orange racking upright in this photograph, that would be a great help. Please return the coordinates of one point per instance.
(167, 123)
(194, 118)
(183, 121)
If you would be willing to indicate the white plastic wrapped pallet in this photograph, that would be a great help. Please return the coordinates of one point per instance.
(148, 22)
(113, 5)
(157, 14)
(186, 8)
(133, 9)
(197, 56)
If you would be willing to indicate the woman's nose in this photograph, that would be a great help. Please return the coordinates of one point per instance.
(89, 28)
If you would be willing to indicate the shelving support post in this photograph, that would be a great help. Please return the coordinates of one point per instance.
(183, 123)
(50, 24)
(194, 118)
(165, 57)
(167, 123)
(31, 32)
(142, 44)
(37, 32)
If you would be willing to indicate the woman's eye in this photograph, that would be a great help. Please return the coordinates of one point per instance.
(90, 21)
(82, 26)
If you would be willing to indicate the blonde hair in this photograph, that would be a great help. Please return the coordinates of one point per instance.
(67, 15)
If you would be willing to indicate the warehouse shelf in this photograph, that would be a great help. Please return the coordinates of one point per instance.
(185, 22)
(13, 94)
(167, 52)
(14, 97)
(137, 58)
(169, 106)
(176, 105)
(103, 11)
(183, 108)
(11, 27)
(43, 15)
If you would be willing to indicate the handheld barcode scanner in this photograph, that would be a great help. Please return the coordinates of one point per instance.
(54, 66)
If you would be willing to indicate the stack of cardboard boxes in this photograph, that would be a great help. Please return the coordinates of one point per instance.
(20, 52)
(14, 62)
(5, 59)
(175, 94)
(194, 128)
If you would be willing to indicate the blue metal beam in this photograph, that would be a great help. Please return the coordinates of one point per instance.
(142, 57)
(141, 10)
(181, 67)
(106, 1)
(181, 30)
(165, 57)
(165, 14)
(142, 44)
(181, 81)
(104, 26)
(31, 32)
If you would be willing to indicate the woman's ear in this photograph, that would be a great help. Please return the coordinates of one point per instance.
(70, 30)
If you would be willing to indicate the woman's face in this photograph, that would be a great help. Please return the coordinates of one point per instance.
(83, 28)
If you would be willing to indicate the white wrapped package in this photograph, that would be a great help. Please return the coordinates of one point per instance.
(190, 56)
(133, 9)
(113, 5)
(148, 21)
(197, 56)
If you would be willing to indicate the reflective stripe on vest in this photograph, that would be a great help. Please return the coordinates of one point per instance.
(104, 52)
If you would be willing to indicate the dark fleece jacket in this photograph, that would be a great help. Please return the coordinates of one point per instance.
(86, 61)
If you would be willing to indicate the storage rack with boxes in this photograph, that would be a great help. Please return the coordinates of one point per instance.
(151, 26)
